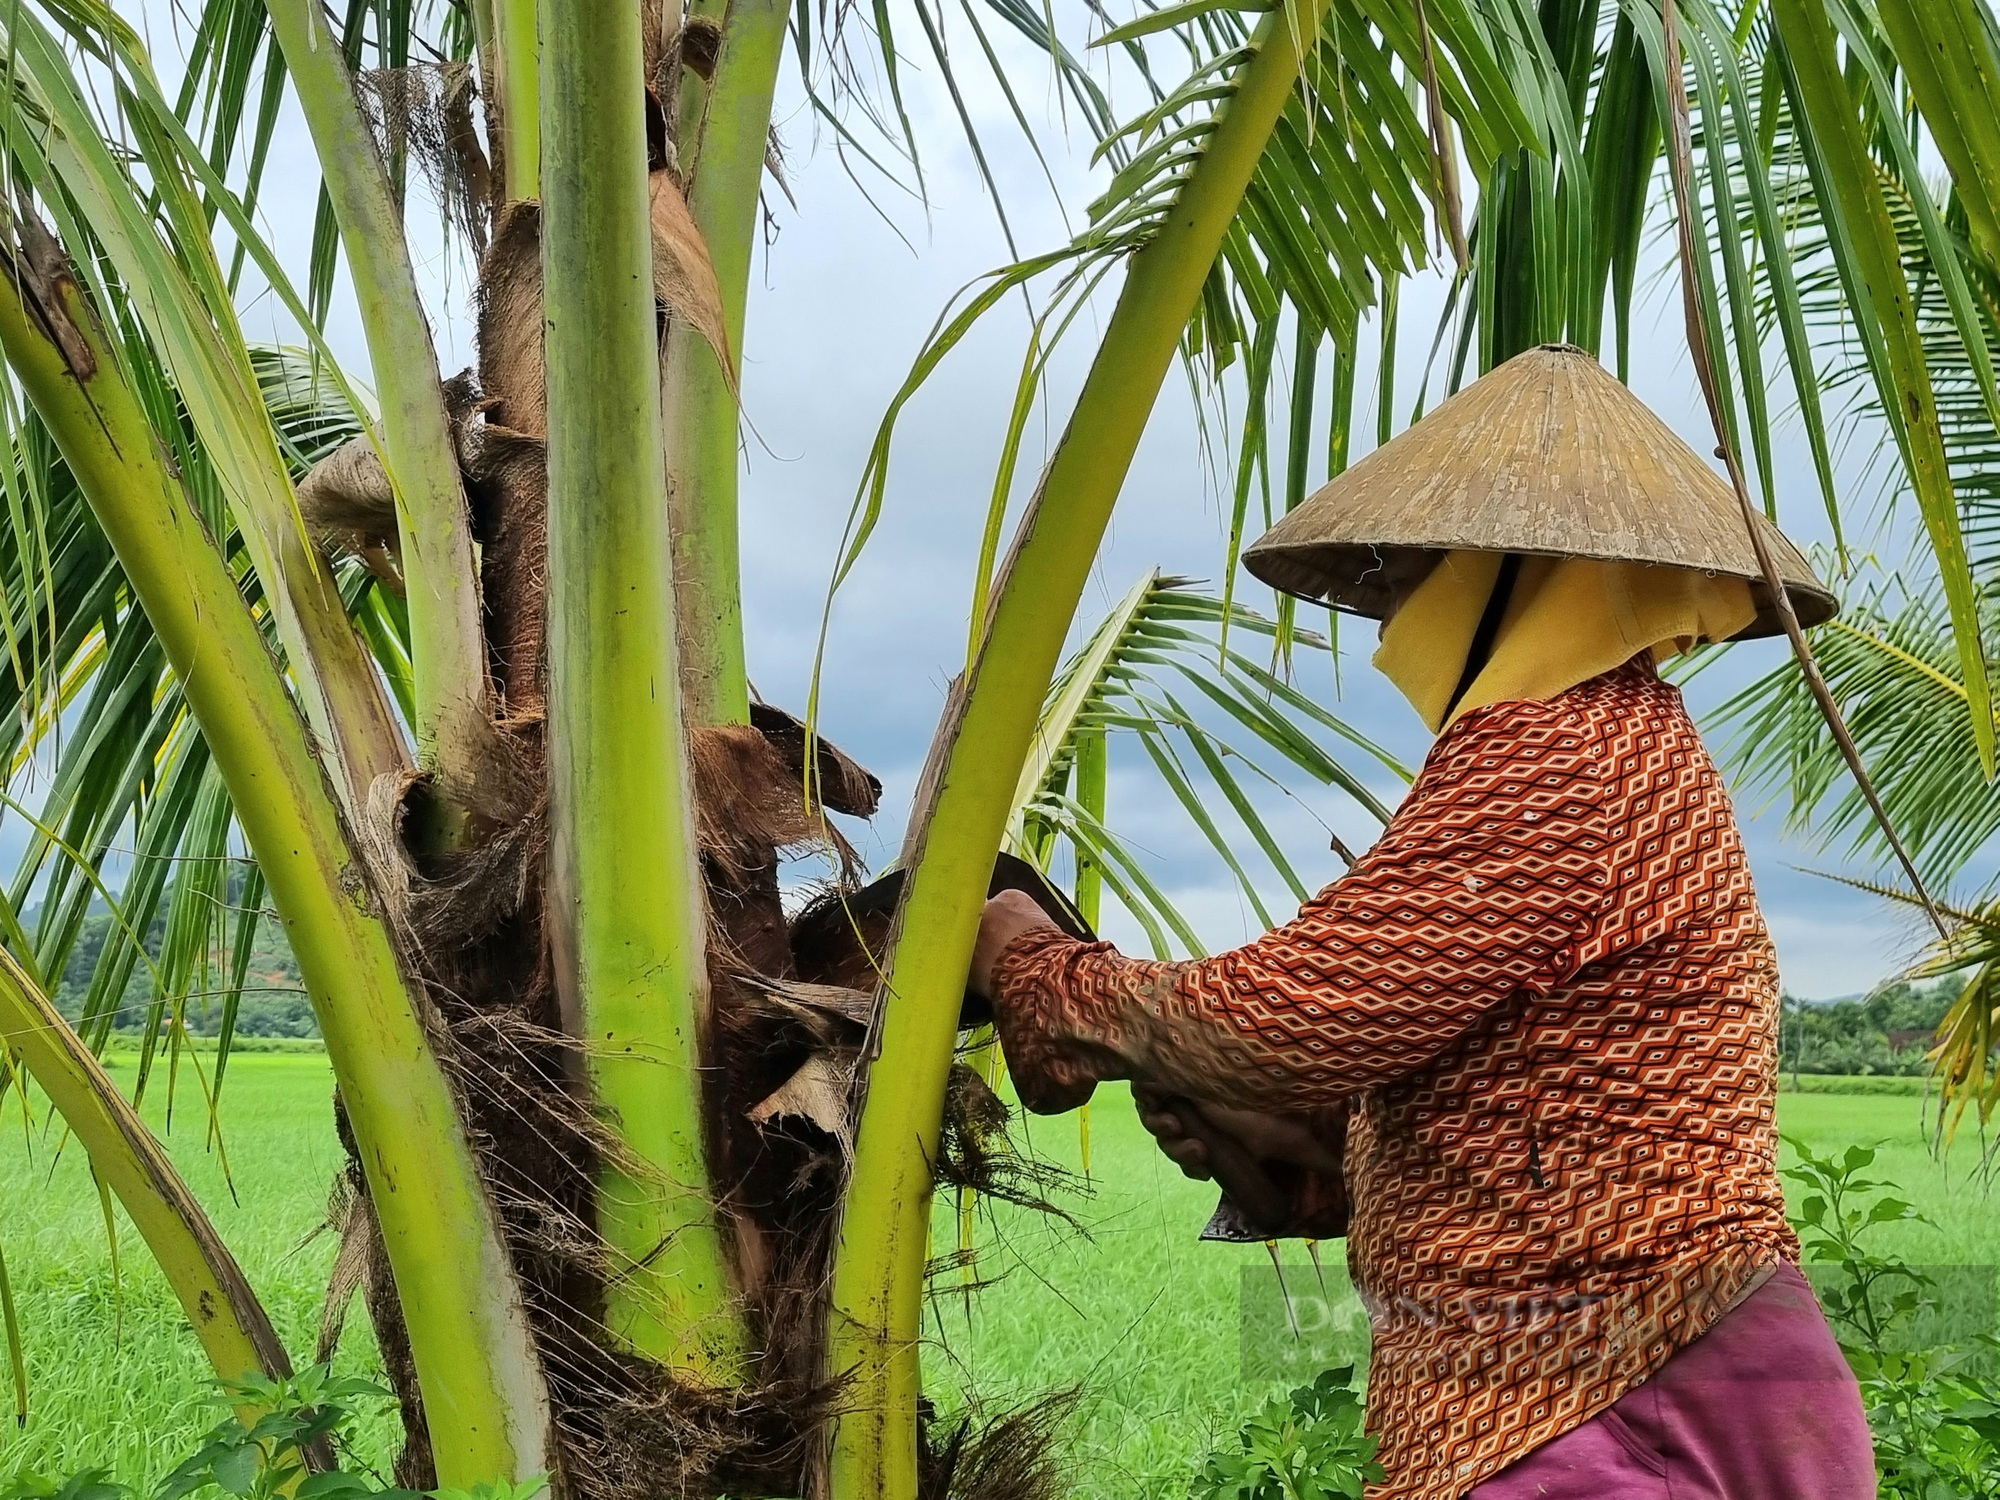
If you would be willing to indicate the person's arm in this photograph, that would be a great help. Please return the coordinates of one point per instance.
(1482, 888)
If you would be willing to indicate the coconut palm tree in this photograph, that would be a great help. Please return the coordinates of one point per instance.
(642, 1164)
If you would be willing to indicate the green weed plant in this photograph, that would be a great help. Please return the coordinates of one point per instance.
(293, 1445)
(1305, 1446)
(1934, 1413)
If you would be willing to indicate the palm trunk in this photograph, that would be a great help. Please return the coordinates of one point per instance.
(967, 790)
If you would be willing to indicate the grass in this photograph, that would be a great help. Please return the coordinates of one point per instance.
(114, 1377)
(1134, 1310)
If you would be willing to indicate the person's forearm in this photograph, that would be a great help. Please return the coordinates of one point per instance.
(1074, 1013)
(1453, 914)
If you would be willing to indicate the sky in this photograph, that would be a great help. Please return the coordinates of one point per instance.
(843, 297)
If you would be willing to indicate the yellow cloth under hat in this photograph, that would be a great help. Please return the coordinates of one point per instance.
(1568, 620)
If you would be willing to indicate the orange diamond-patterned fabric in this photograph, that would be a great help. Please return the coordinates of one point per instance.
(1550, 1002)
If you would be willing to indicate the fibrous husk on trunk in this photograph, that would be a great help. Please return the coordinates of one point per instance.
(511, 371)
(684, 281)
(473, 919)
(838, 783)
(349, 508)
(502, 419)
(782, 1051)
(750, 802)
(506, 486)
(350, 1217)
(502, 424)
(414, 1468)
(510, 300)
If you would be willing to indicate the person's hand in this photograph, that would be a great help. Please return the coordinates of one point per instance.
(1267, 1137)
(1005, 918)
(1161, 1114)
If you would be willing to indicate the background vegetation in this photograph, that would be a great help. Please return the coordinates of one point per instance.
(270, 1002)
(477, 784)
(1889, 1031)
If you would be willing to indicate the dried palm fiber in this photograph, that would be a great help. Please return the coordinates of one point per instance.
(1548, 456)
(506, 487)
(349, 508)
(684, 280)
(625, 1430)
(425, 111)
(750, 802)
(510, 299)
(837, 781)
(503, 424)
(997, 1455)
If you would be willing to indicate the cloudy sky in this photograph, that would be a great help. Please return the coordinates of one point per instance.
(843, 299)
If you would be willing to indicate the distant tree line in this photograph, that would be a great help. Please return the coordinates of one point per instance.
(273, 1003)
(1888, 1031)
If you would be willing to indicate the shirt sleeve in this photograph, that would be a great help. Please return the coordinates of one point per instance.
(1483, 887)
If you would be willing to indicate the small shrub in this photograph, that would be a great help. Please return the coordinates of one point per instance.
(1936, 1419)
(1305, 1446)
(91, 1484)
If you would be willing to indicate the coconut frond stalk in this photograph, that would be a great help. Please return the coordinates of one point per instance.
(964, 800)
(722, 165)
(456, 741)
(625, 886)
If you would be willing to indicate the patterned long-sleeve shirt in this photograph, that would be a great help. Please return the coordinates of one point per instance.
(1550, 1001)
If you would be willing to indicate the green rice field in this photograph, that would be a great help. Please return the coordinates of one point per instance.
(1132, 1309)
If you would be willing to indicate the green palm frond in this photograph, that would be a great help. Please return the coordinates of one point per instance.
(1897, 662)
(125, 811)
(1875, 264)
(1893, 664)
(1957, 368)
(232, 55)
(1556, 237)
(150, 256)
(1219, 729)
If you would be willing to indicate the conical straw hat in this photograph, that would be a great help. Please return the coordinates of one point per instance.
(1546, 455)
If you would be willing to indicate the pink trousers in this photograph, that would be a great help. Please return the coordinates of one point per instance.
(1761, 1407)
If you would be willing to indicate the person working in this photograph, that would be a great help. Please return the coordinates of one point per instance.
(1542, 1009)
